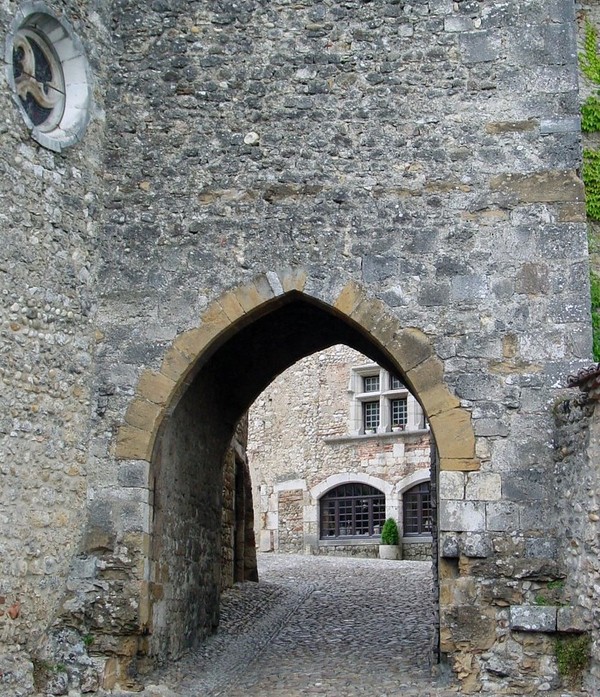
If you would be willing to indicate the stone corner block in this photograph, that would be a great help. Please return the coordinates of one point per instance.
(459, 516)
(475, 545)
(452, 485)
(412, 347)
(454, 435)
(459, 464)
(155, 387)
(134, 444)
(571, 619)
(143, 415)
(483, 486)
(349, 298)
(533, 618)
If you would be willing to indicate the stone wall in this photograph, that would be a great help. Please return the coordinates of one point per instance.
(577, 476)
(51, 214)
(415, 165)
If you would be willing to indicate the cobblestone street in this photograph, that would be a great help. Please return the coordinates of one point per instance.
(317, 626)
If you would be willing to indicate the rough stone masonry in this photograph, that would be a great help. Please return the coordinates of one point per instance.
(258, 180)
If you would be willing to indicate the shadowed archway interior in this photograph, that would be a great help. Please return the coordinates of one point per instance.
(187, 465)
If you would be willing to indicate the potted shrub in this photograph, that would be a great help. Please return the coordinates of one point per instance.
(390, 540)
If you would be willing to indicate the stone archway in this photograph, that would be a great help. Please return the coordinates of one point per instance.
(183, 416)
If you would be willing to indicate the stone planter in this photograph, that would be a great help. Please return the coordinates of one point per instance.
(389, 552)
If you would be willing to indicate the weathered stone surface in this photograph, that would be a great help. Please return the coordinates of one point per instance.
(548, 187)
(531, 618)
(302, 142)
(462, 516)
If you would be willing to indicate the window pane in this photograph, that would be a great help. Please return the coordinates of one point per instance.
(352, 510)
(371, 414)
(371, 383)
(416, 503)
(396, 383)
(399, 412)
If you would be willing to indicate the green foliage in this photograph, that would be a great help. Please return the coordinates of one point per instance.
(591, 180)
(589, 61)
(389, 533)
(88, 639)
(595, 296)
(541, 600)
(556, 585)
(590, 114)
(573, 655)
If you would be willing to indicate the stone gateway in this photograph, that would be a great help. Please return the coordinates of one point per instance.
(195, 196)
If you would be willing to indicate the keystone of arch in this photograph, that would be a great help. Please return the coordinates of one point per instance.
(410, 348)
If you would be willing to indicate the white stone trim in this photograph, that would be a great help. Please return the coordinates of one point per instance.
(290, 485)
(392, 505)
(347, 478)
(410, 481)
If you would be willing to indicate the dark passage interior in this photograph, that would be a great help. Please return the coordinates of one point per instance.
(188, 462)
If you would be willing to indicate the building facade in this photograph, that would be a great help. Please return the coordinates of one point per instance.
(336, 445)
(195, 196)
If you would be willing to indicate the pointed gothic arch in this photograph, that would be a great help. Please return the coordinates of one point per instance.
(184, 415)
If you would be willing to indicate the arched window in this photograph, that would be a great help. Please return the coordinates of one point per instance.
(416, 504)
(352, 510)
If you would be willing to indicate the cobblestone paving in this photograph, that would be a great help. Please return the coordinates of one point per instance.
(317, 626)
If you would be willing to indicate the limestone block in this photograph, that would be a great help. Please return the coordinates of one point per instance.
(134, 473)
(461, 23)
(511, 126)
(254, 294)
(265, 541)
(368, 312)
(483, 486)
(502, 517)
(349, 298)
(550, 186)
(479, 46)
(449, 545)
(155, 387)
(476, 545)
(438, 399)
(470, 288)
(412, 347)
(533, 618)
(143, 415)
(459, 464)
(231, 306)
(194, 341)
(293, 279)
(452, 485)
(462, 515)
(454, 434)
(133, 444)
(175, 364)
(572, 619)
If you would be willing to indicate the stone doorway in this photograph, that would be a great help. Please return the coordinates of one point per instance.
(184, 418)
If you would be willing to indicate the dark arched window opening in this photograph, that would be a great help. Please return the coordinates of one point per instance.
(416, 504)
(352, 510)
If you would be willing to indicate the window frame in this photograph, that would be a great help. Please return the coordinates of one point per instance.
(421, 491)
(342, 503)
(391, 388)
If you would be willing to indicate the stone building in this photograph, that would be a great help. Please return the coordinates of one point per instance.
(195, 196)
(337, 445)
